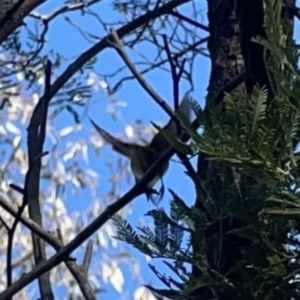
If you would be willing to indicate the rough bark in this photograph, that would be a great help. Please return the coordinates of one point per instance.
(232, 24)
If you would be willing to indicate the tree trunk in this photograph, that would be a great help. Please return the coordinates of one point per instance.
(232, 24)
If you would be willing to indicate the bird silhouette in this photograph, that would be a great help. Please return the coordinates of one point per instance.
(143, 157)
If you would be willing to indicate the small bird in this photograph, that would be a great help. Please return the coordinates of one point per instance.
(142, 157)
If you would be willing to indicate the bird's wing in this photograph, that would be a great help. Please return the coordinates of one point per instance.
(118, 146)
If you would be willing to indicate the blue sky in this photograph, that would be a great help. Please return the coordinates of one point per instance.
(66, 40)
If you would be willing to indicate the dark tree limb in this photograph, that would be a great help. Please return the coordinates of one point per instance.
(11, 230)
(35, 143)
(14, 16)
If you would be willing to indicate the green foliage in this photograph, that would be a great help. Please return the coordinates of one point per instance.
(167, 237)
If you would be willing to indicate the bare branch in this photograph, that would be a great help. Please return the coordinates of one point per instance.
(119, 47)
(188, 20)
(4, 223)
(33, 226)
(17, 188)
(87, 257)
(156, 65)
(36, 139)
(78, 273)
(173, 62)
(21, 260)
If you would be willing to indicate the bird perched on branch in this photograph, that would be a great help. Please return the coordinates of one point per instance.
(143, 157)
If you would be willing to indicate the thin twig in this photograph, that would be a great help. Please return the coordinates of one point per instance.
(4, 223)
(173, 62)
(20, 261)
(176, 76)
(117, 44)
(188, 20)
(17, 188)
(87, 257)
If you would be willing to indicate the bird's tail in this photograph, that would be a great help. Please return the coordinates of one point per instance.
(119, 146)
(159, 142)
